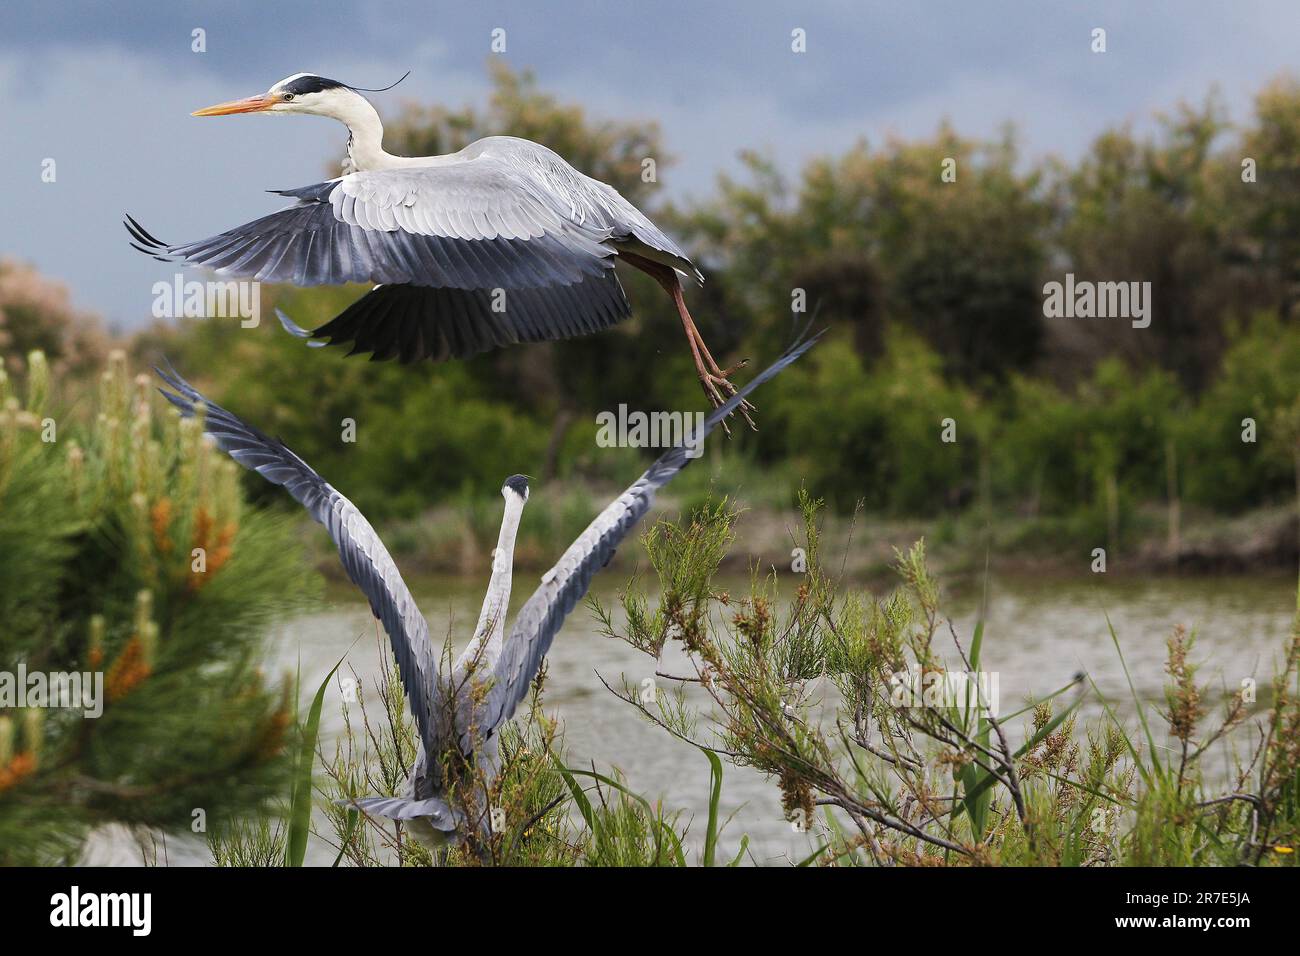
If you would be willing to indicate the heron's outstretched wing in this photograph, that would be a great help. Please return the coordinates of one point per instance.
(564, 585)
(410, 322)
(363, 555)
(461, 224)
(502, 242)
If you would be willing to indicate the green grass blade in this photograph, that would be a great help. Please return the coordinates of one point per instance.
(1028, 707)
(300, 801)
(1128, 743)
(740, 854)
(353, 817)
(964, 718)
(979, 793)
(1137, 701)
(809, 860)
(579, 796)
(987, 780)
(679, 854)
(715, 796)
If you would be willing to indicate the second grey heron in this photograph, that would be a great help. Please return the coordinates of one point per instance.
(459, 714)
(499, 243)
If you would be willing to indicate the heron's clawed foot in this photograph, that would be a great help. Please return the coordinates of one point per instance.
(719, 388)
(713, 378)
(727, 373)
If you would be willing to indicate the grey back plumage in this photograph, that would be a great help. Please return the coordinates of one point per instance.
(501, 213)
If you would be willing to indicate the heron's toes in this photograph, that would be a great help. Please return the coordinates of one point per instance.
(726, 373)
(719, 389)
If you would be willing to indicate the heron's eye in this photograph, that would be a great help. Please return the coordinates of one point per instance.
(287, 97)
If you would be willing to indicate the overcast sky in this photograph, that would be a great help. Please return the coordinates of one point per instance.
(105, 88)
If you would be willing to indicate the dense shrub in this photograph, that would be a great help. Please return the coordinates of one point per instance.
(875, 433)
(1259, 380)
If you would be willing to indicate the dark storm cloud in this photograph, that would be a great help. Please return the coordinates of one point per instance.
(858, 51)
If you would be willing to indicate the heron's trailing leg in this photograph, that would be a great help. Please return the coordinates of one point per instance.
(714, 379)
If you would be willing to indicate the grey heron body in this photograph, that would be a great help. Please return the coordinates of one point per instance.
(459, 714)
(502, 242)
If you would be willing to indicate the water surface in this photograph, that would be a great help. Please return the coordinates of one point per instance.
(1038, 634)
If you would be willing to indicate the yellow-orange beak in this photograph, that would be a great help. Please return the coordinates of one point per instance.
(252, 104)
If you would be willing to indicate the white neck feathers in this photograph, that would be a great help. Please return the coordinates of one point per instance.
(490, 632)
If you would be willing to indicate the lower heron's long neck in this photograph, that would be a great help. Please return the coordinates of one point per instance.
(492, 619)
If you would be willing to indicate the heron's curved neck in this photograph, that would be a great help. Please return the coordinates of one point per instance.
(365, 135)
(492, 619)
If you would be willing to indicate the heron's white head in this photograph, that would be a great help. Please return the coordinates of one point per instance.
(301, 93)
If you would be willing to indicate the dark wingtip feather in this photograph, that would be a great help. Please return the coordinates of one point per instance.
(133, 228)
(188, 395)
(148, 252)
(185, 405)
(141, 233)
(143, 241)
(173, 377)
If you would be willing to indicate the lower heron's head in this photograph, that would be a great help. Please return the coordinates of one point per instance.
(516, 486)
(301, 93)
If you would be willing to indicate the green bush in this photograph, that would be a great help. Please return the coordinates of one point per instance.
(875, 433)
(1259, 380)
(1173, 784)
(1081, 454)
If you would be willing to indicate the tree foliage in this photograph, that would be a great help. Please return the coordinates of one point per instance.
(129, 557)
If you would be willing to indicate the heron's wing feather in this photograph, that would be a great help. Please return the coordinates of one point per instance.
(562, 587)
(307, 245)
(363, 555)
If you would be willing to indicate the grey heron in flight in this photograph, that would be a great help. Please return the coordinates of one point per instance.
(499, 243)
(457, 714)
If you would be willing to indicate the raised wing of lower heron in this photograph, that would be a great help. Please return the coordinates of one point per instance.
(565, 584)
(364, 557)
